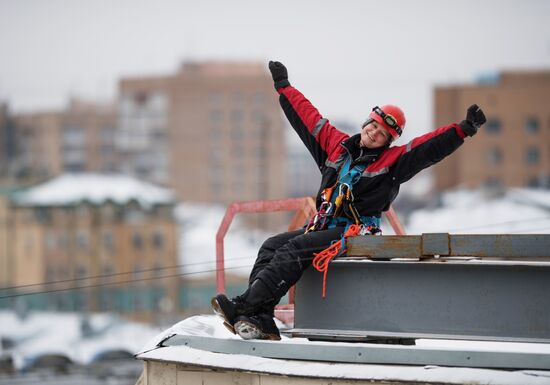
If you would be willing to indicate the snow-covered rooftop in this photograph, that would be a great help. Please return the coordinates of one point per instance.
(46, 333)
(198, 225)
(476, 212)
(208, 326)
(71, 189)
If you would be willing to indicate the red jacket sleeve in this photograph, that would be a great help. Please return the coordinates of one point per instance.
(320, 137)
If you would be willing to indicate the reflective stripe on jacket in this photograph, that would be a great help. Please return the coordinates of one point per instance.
(387, 168)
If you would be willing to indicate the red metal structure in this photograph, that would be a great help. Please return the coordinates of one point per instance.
(305, 210)
(304, 207)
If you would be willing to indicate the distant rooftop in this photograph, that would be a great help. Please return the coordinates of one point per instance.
(71, 189)
(224, 68)
(511, 77)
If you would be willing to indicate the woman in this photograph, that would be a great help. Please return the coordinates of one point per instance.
(361, 176)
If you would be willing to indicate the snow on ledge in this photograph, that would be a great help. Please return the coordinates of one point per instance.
(70, 189)
(211, 326)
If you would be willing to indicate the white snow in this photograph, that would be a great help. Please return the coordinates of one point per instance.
(198, 225)
(211, 326)
(71, 189)
(475, 212)
(44, 333)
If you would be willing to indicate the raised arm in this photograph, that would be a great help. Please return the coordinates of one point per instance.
(319, 136)
(428, 149)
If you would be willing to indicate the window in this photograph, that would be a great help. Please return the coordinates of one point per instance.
(494, 156)
(216, 116)
(158, 241)
(82, 240)
(532, 155)
(237, 116)
(108, 242)
(493, 182)
(107, 273)
(74, 137)
(81, 272)
(215, 99)
(532, 125)
(137, 241)
(138, 271)
(237, 133)
(107, 135)
(259, 99)
(533, 182)
(493, 126)
(83, 211)
(51, 240)
(43, 214)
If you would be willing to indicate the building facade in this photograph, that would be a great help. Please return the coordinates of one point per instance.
(213, 132)
(142, 131)
(96, 232)
(81, 138)
(513, 147)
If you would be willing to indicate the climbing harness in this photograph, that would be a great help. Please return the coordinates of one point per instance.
(332, 213)
(338, 209)
(322, 259)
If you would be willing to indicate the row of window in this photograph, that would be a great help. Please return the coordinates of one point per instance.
(238, 98)
(259, 118)
(540, 181)
(62, 272)
(82, 241)
(532, 155)
(128, 300)
(494, 126)
(131, 213)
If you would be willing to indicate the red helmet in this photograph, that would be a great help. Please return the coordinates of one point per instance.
(391, 117)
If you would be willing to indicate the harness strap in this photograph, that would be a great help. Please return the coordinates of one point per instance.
(323, 258)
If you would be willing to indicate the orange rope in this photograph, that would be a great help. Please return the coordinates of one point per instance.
(323, 258)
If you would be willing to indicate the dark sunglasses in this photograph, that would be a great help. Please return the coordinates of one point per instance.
(388, 119)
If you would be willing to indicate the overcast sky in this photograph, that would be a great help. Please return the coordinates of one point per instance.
(346, 56)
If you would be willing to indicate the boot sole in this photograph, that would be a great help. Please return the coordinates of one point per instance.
(249, 331)
(219, 312)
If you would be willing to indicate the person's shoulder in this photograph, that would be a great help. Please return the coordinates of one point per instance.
(387, 158)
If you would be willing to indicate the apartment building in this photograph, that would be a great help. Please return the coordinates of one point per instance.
(113, 236)
(213, 132)
(513, 148)
(142, 131)
(80, 138)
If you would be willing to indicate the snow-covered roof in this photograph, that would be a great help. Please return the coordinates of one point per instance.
(47, 333)
(198, 225)
(211, 327)
(475, 212)
(71, 189)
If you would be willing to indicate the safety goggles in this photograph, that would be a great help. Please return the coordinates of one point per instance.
(388, 119)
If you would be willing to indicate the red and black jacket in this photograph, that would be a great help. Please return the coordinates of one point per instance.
(386, 168)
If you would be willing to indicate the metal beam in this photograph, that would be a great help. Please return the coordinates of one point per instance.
(365, 353)
(502, 246)
(499, 301)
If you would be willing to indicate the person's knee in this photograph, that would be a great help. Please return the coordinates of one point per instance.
(272, 243)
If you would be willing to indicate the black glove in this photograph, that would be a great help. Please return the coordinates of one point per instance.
(474, 119)
(279, 74)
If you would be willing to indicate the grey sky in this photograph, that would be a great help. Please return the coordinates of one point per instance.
(344, 55)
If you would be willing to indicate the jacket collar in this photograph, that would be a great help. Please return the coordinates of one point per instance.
(368, 154)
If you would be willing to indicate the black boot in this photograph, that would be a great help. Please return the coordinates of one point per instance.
(257, 327)
(256, 297)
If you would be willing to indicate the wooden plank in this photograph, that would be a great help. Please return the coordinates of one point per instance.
(387, 246)
(499, 246)
(502, 246)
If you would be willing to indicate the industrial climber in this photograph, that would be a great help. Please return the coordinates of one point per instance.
(360, 177)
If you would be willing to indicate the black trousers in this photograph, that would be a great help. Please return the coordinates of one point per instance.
(283, 258)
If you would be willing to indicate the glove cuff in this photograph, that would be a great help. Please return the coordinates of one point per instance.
(281, 84)
(468, 128)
